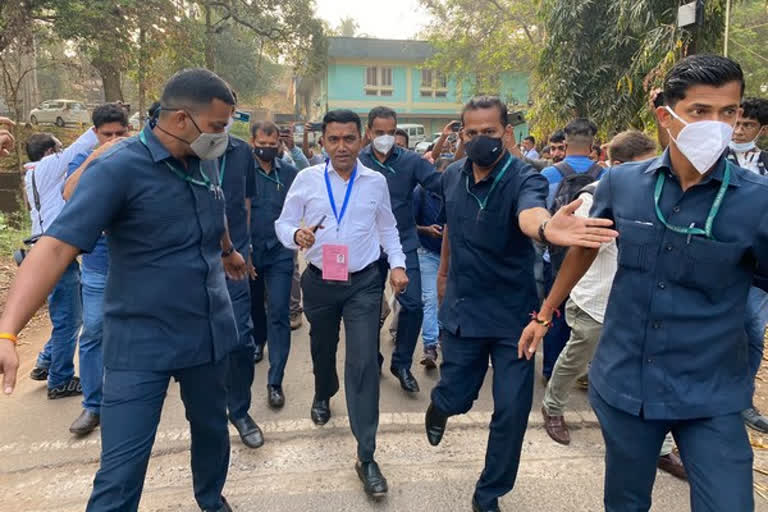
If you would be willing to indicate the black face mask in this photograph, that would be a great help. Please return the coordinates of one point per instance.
(265, 153)
(484, 150)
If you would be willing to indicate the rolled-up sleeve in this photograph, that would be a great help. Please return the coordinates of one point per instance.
(292, 213)
(101, 194)
(386, 225)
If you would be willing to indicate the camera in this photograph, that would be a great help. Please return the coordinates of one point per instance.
(21, 253)
(316, 127)
(456, 126)
(517, 118)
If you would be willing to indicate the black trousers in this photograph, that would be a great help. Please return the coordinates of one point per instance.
(358, 304)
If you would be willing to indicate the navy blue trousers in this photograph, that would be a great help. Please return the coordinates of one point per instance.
(411, 313)
(240, 376)
(716, 454)
(130, 413)
(272, 324)
(465, 363)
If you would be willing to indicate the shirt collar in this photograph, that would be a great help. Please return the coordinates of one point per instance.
(663, 162)
(155, 147)
(467, 168)
(361, 169)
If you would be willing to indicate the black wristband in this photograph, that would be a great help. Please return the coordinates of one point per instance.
(542, 236)
(228, 252)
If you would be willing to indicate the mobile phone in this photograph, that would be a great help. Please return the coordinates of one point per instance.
(242, 116)
(456, 126)
(316, 127)
(320, 223)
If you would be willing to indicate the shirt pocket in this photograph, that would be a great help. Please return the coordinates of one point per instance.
(708, 264)
(487, 231)
(361, 213)
(635, 244)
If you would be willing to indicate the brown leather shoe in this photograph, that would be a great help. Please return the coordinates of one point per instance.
(673, 464)
(556, 428)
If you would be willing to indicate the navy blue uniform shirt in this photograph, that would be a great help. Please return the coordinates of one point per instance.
(404, 170)
(266, 205)
(673, 343)
(427, 206)
(491, 290)
(166, 304)
(237, 174)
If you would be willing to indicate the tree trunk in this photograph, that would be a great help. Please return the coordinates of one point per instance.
(210, 55)
(142, 75)
(110, 79)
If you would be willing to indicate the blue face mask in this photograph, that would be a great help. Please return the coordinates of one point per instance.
(743, 147)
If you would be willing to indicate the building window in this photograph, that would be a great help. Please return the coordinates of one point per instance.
(378, 81)
(434, 84)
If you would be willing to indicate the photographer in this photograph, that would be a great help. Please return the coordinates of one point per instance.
(45, 174)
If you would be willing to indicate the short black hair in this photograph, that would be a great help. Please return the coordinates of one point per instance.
(581, 127)
(342, 116)
(530, 139)
(755, 108)
(384, 112)
(109, 113)
(403, 133)
(557, 137)
(485, 102)
(546, 149)
(630, 145)
(700, 69)
(38, 144)
(153, 109)
(195, 88)
(265, 127)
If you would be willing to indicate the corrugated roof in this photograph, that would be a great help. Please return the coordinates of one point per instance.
(394, 49)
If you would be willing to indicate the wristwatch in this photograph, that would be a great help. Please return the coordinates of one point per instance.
(228, 252)
(542, 235)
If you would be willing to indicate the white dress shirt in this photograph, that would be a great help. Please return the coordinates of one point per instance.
(50, 175)
(592, 291)
(367, 226)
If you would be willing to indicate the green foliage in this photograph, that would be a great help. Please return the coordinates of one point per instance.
(14, 228)
(748, 37)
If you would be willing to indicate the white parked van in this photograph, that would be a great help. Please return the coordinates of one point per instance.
(415, 133)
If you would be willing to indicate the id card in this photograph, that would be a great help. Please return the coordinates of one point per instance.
(335, 262)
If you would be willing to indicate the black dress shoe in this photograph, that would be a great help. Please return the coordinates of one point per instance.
(223, 508)
(258, 354)
(407, 380)
(435, 422)
(85, 423)
(275, 396)
(249, 431)
(321, 411)
(374, 483)
(38, 373)
(477, 508)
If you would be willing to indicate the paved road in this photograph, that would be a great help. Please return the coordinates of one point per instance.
(303, 467)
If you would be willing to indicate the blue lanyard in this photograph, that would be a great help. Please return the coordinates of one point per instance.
(336, 214)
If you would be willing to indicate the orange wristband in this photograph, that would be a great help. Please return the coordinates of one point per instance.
(8, 336)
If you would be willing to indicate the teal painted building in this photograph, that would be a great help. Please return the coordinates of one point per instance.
(362, 73)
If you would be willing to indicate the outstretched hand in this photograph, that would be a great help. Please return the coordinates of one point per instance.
(566, 229)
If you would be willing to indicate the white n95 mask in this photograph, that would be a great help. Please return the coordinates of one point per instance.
(702, 142)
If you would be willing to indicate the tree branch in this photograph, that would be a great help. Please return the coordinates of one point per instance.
(516, 19)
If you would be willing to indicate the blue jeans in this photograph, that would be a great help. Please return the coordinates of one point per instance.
(66, 311)
(757, 318)
(430, 327)
(91, 360)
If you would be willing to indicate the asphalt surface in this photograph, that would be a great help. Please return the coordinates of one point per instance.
(303, 467)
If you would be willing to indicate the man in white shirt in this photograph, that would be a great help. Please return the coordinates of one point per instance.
(349, 219)
(44, 179)
(529, 148)
(585, 312)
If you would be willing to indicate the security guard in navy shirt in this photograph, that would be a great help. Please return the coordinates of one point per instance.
(674, 351)
(272, 262)
(404, 170)
(494, 203)
(236, 174)
(166, 309)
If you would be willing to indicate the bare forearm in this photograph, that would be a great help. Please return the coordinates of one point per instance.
(37, 276)
(577, 262)
(437, 150)
(445, 254)
(531, 219)
(71, 184)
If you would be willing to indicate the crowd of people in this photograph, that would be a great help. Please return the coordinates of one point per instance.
(637, 261)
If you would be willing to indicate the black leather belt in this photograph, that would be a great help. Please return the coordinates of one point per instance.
(364, 269)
